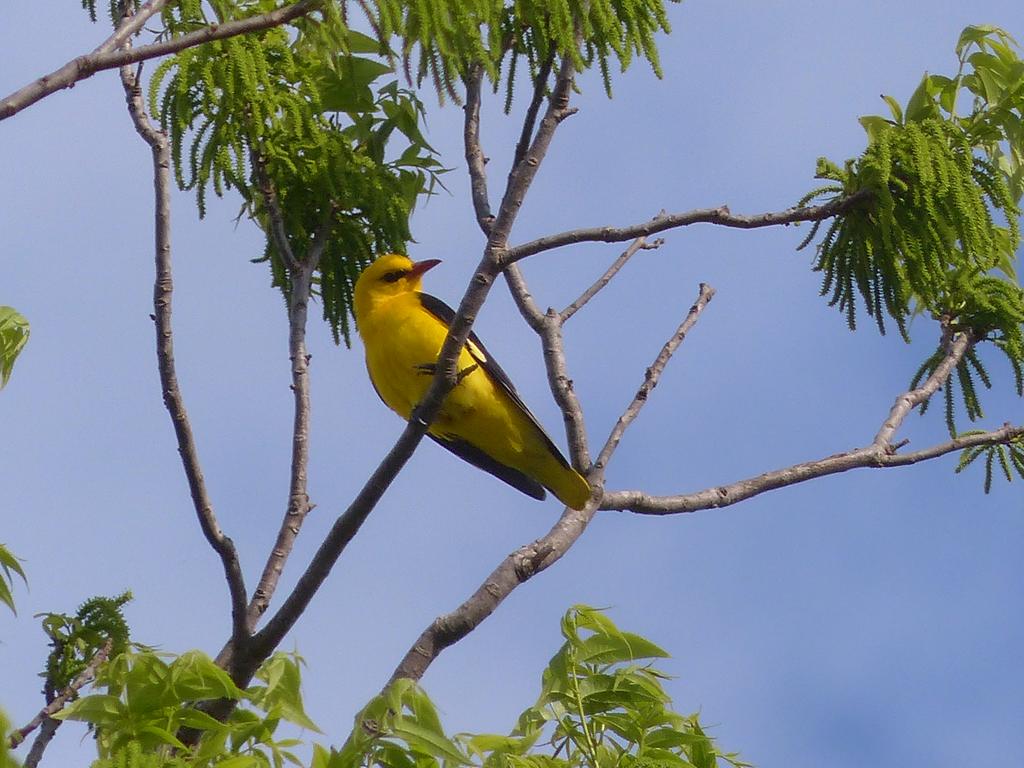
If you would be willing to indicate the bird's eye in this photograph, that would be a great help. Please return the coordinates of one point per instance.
(394, 277)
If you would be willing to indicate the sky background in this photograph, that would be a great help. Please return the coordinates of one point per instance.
(872, 618)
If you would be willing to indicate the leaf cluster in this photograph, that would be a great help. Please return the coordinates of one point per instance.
(925, 235)
(149, 697)
(298, 131)
(444, 39)
(1008, 457)
(989, 88)
(602, 705)
(75, 640)
(935, 177)
(932, 181)
(14, 332)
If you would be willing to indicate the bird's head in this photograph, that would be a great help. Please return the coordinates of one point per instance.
(389, 276)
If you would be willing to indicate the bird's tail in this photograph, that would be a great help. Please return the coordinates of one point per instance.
(568, 485)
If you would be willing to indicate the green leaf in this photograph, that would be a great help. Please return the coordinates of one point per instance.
(191, 717)
(159, 736)
(482, 743)
(873, 125)
(194, 677)
(429, 741)
(625, 646)
(98, 709)
(357, 42)
(921, 105)
(978, 35)
(894, 108)
(9, 565)
(283, 693)
(14, 333)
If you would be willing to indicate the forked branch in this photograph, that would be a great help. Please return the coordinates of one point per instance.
(529, 560)
(880, 453)
(721, 216)
(301, 279)
(163, 289)
(726, 495)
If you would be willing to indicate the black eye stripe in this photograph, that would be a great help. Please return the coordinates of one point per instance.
(394, 277)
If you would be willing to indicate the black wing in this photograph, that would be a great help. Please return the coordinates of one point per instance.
(483, 358)
(476, 457)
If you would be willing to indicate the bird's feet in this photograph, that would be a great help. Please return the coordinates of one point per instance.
(429, 369)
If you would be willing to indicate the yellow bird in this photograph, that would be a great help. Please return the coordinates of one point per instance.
(482, 420)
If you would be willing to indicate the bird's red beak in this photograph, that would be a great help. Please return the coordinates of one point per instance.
(419, 267)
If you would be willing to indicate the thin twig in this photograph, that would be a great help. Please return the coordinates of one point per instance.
(652, 375)
(475, 160)
(540, 85)
(163, 288)
(513, 277)
(130, 25)
(720, 215)
(639, 244)
(908, 401)
(87, 675)
(880, 453)
(726, 495)
(563, 391)
(523, 299)
(86, 65)
(278, 231)
(298, 497)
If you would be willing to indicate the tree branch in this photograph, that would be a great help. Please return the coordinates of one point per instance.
(639, 244)
(880, 453)
(540, 85)
(726, 495)
(341, 533)
(523, 299)
(662, 222)
(520, 566)
(130, 25)
(298, 497)
(103, 58)
(908, 401)
(163, 289)
(652, 375)
(87, 675)
(275, 216)
(43, 739)
(562, 390)
(475, 160)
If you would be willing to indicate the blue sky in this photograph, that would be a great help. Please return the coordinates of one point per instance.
(868, 618)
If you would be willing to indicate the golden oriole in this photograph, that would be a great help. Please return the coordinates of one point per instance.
(482, 420)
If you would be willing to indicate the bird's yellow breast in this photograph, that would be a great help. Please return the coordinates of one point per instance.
(402, 339)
